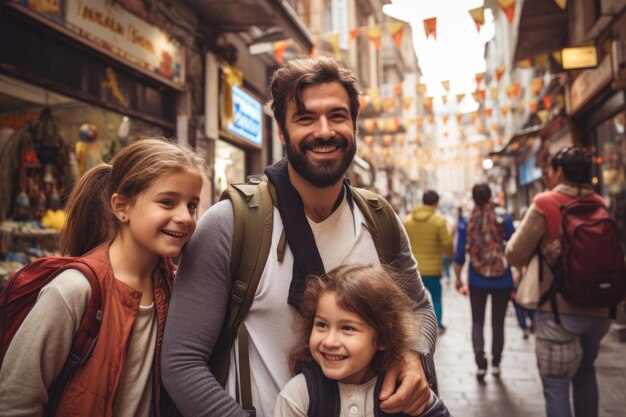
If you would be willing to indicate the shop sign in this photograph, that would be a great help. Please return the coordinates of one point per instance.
(589, 83)
(578, 57)
(247, 120)
(116, 32)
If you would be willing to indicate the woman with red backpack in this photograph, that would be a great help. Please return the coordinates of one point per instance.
(483, 237)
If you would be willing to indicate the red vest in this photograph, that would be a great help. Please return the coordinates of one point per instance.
(92, 389)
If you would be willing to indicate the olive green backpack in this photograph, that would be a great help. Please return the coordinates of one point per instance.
(253, 208)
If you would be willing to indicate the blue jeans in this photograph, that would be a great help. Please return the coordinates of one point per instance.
(433, 285)
(565, 354)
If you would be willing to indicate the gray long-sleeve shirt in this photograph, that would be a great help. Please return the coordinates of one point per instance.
(198, 306)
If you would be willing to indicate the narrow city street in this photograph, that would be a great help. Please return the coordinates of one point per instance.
(517, 393)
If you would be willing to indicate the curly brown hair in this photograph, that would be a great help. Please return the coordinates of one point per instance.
(376, 294)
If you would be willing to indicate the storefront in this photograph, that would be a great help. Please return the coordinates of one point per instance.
(78, 81)
(241, 130)
(598, 112)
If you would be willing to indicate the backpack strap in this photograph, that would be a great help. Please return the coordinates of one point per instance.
(85, 338)
(324, 399)
(252, 233)
(382, 223)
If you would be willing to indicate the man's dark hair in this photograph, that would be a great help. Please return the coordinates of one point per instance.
(481, 194)
(576, 164)
(430, 198)
(289, 80)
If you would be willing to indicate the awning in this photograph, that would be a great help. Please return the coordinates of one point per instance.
(273, 20)
(543, 28)
(517, 145)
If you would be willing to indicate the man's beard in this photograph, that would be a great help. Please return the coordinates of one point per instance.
(325, 173)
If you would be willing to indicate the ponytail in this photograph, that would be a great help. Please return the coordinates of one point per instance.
(89, 219)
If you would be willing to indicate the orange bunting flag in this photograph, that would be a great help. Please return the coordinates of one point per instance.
(373, 34)
(388, 139)
(400, 138)
(547, 102)
(481, 95)
(431, 119)
(524, 63)
(370, 125)
(444, 99)
(508, 7)
(392, 125)
(446, 134)
(354, 33)
(532, 105)
(494, 126)
(489, 111)
(475, 116)
(279, 50)
(389, 104)
(561, 3)
(444, 119)
(397, 89)
(459, 118)
(313, 50)
(536, 84)
(368, 140)
(478, 16)
(446, 85)
(428, 103)
(479, 77)
(504, 110)
(421, 88)
(396, 30)
(513, 90)
(363, 101)
(499, 72)
(420, 122)
(407, 102)
(430, 27)
(460, 97)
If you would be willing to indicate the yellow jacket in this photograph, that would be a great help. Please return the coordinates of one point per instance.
(430, 239)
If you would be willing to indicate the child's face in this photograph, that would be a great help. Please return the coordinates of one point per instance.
(163, 218)
(341, 342)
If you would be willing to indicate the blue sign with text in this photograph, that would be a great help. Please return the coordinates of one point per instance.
(247, 120)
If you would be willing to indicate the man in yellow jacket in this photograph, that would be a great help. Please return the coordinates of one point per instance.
(430, 242)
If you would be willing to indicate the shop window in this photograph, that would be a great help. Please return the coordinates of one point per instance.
(229, 166)
(611, 168)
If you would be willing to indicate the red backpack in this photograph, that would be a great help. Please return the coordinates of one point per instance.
(591, 271)
(19, 296)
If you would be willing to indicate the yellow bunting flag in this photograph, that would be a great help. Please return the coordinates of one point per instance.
(333, 40)
(532, 105)
(460, 97)
(389, 104)
(495, 92)
(446, 85)
(557, 57)
(396, 29)
(444, 119)
(407, 102)
(374, 96)
(504, 110)
(524, 63)
(561, 3)
(494, 126)
(373, 34)
(543, 115)
(381, 124)
(421, 88)
(478, 16)
(444, 99)
(279, 50)
(513, 90)
(400, 138)
(430, 27)
(431, 119)
(536, 84)
(499, 72)
(479, 77)
(541, 61)
(508, 7)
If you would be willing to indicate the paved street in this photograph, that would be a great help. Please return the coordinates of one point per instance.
(517, 393)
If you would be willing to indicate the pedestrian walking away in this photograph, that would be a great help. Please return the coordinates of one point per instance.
(356, 322)
(315, 104)
(489, 274)
(430, 242)
(125, 222)
(568, 335)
